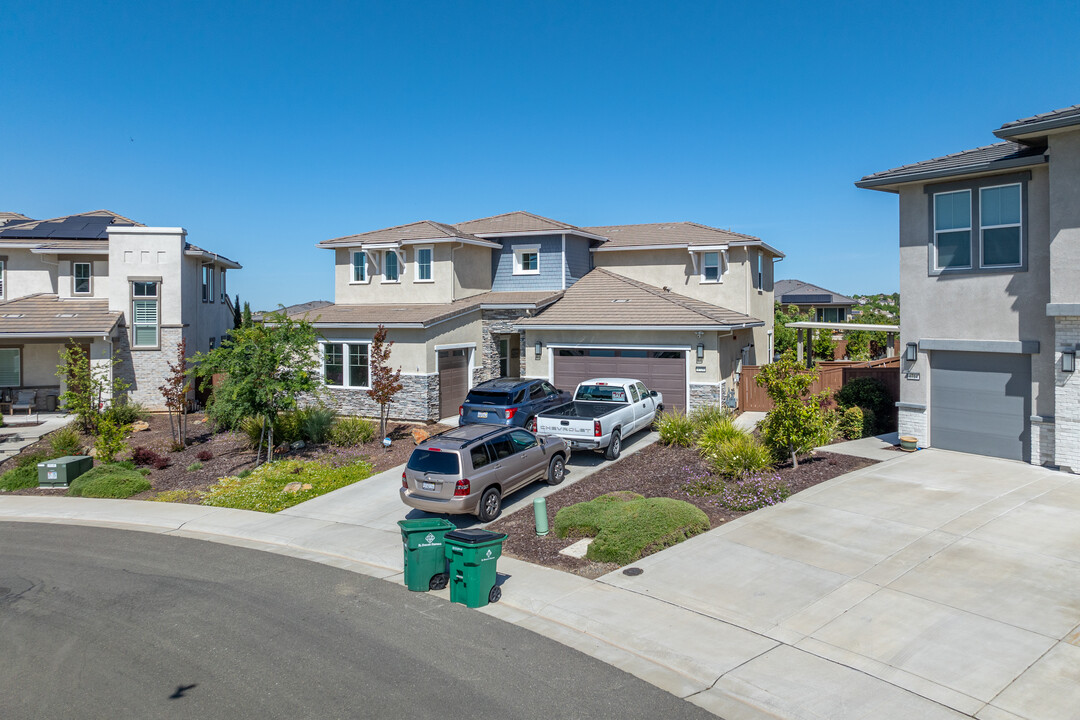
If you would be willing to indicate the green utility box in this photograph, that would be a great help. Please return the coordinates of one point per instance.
(425, 561)
(473, 555)
(61, 471)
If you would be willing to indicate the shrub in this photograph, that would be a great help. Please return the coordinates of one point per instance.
(740, 455)
(160, 462)
(125, 411)
(288, 427)
(675, 428)
(316, 424)
(352, 431)
(110, 439)
(744, 494)
(263, 488)
(144, 456)
(627, 526)
(797, 422)
(719, 432)
(850, 424)
(194, 466)
(24, 474)
(870, 394)
(65, 441)
(112, 480)
(205, 455)
(706, 415)
(253, 427)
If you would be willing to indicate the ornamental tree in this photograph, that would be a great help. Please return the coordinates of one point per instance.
(175, 392)
(385, 383)
(797, 422)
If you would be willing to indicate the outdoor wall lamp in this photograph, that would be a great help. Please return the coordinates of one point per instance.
(539, 348)
(1068, 361)
(912, 353)
(700, 351)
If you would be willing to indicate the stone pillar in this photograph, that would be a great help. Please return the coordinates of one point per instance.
(890, 339)
(799, 345)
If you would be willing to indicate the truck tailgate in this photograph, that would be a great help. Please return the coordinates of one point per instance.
(565, 426)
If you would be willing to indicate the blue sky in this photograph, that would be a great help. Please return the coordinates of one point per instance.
(266, 127)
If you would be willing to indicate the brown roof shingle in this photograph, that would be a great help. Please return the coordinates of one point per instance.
(673, 233)
(419, 314)
(48, 316)
(423, 230)
(518, 221)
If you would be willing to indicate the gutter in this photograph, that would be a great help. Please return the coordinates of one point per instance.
(671, 328)
(885, 183)
(1036, 128)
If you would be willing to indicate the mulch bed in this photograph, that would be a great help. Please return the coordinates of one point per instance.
(231, 454)
(655, 471)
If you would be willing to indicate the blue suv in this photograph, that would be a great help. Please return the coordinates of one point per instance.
(510, 401)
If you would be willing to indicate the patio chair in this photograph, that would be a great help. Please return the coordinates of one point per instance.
(26, 399)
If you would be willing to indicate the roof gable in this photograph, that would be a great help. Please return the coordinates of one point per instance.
(513, 222)
(422, 230)
(797, 292)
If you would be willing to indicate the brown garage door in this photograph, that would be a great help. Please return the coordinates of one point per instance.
(663, 370)
(453, 380)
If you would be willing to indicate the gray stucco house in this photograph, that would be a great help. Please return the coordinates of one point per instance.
(990, 276)
(828, 306)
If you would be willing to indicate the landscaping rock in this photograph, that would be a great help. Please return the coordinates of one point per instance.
(305, 486)
(297, 445)
(139, 426)
(419, 435)
(294, 487)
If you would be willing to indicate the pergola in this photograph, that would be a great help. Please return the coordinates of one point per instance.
(809, 327)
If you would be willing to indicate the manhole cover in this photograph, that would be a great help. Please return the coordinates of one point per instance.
(632, 571)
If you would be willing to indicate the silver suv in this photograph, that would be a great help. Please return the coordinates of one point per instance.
(469, 469)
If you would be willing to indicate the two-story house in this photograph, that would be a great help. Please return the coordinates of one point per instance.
(112, 286)
(828, 306)
(680, 305)
(990, 276)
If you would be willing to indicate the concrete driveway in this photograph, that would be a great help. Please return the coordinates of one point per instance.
(933, 583)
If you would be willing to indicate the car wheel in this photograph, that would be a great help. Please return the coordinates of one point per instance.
(614, 447)
(490, 505)
(556, 471)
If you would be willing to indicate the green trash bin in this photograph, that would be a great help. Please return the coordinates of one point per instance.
(425, 561)
(473, 555)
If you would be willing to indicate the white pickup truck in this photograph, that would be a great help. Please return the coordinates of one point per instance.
(602, 413)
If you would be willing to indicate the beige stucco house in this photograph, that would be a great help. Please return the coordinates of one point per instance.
(111, 285)
(680, 305)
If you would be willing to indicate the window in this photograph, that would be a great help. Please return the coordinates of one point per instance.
(549, 389)
(10, 367)
(224, 294)
(423, 264)
(479, 456)
(207, 284)
(952, 229)
(335, 356)
(504, 357)
(999, 225)
(144, 314)
(831, 315)
(522, 440)
(80, 278)
(390, 271)
(359, 267)
(527, 260)
(710, 267)
(3, 276)
(500, 448)
(760, 270)
(634, 393)
(536, 392)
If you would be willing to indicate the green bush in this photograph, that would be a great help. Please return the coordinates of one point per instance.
(113, 480)
(719, 432)
(252, 428)
(627, 526)
(850, 423)
(125, 411)
(740, 455)
(264, 488)
(675, 428)
(870, 394)
(352, 431)
(65, 441)
(706, 415)
(289, 426)
(24, 474)
(316, 424)
(194, 466)
(110, 440)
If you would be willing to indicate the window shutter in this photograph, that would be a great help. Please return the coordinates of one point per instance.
(146, 312)
(9, 367)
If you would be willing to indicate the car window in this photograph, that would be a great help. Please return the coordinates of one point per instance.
(479, 456)
(522, 440)
(634, 393)
(549, 388)
(487, 397)
(644, 390)
(537, 392)
(601, 393)
(519, 396)
(435, 462)
(500, 447)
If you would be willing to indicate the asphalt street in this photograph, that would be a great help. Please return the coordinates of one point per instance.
(100, 623)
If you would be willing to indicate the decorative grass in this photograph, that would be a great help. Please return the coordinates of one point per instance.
(742, 454)
(264, 488)
(24, 474)
(352, 431)
(705, 415)
(627, 526)
(712, 436)
(114, 480)
(675, 428)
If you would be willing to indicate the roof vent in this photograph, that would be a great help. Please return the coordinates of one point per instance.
(621, 301)
(12, 316)
(67, 315)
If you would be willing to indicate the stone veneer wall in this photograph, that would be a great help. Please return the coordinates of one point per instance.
(705, 394)
(912, 422)
(494, 323)
(147, 370)
(1042, 442)
(1066, 399)
(417, 400)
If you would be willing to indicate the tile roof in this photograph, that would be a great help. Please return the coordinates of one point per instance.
(1054, 118)
(673, 233)
(519, 221)
(419, 314)
(1000, 155)
(291, 310)
(81, 226)
(602, 297)
(48, 316)
(423, 230)
(10, 218)
(798, 292)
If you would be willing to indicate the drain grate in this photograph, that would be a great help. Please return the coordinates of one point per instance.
(632, 571)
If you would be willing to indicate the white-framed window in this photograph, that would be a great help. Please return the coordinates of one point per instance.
(208, 283)
(710, 267)
(144, 313)
(952, 230)
(80, 278)
(345, 364)
(423, 264)
(10, 367)
(359, 267)
(391, 269)
(1000, 232)
(3, 277)
(224, 293)
(760, 270)
(527, 260)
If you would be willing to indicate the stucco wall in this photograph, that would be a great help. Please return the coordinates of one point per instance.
(99, 276)
(27, 274)
(471, 269)
(1064, 217)
(446, 278)
(39, 363)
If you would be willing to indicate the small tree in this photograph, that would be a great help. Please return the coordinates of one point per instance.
(88, 387)
(238, 318)
(175, 391)
(245, 317)
(797, 422)
(385, 383)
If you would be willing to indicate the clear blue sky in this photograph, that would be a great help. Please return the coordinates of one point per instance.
(265, 127)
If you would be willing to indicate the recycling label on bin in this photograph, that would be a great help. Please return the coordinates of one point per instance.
(51, 474)
(487, 557)
(430, 541)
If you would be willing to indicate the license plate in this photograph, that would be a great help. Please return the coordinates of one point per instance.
(427, 486)
(481, 414)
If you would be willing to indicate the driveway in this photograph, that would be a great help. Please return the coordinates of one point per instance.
(953, 577)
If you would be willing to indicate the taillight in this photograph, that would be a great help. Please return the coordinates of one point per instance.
(462, 488)
(532, 425)
(596, 428)
(510, 413)
(404, 482)
(460, 410)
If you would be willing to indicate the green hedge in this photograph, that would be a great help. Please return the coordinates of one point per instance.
(114, 480)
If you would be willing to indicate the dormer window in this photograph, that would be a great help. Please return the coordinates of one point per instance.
(527, 260)
(391, 271)
(709, 263)
(710, 267)
(359, 267)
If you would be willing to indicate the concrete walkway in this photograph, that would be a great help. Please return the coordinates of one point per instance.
(14, 438)
(879, 447)
(749, 420)
(935, 585)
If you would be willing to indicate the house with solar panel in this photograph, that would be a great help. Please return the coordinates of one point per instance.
(113, 286)
(681, 306)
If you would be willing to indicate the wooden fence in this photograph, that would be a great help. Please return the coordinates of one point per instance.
(831, 375)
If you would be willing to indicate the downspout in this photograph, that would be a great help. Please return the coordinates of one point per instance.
(565, 266)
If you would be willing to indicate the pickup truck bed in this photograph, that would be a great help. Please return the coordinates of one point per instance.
(582, 409)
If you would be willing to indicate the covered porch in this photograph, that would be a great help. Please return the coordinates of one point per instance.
(806, 333)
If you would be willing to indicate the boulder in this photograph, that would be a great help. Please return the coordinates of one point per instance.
(419, 435)
(293, 487)
(139, 426)
(297, 445)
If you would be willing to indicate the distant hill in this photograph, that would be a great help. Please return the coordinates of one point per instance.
(880, 305)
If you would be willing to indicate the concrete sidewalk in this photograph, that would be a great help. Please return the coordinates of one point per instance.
(14, 438)
(937, 585)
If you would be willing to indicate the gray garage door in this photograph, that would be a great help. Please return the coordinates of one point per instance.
(981, 403)
(453, 380)
(663, 370)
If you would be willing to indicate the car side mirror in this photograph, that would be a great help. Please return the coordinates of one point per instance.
(652, 393)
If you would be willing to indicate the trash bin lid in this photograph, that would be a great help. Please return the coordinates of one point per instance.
(474, 536)
(425, 524)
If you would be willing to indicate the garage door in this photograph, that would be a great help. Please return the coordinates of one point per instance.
(663, 370)
(981, 403)
(453, 380)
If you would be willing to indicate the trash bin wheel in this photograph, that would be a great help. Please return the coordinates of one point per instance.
(495, 594)
(438, 582)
